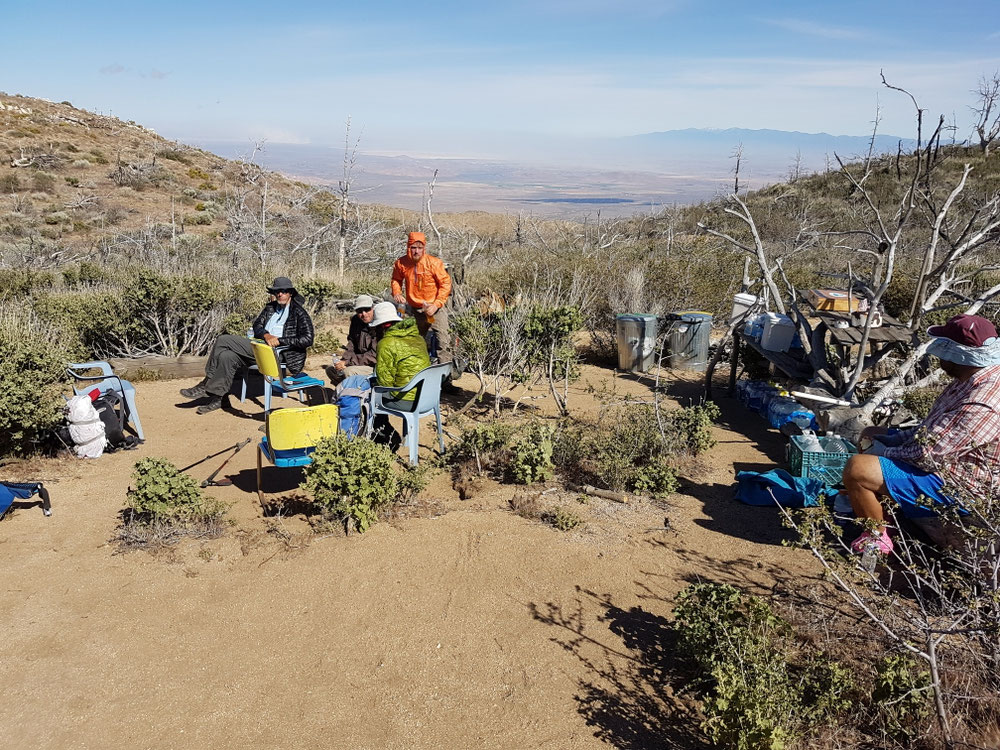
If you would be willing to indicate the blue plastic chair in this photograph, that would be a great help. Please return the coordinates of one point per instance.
(106, 381)
(274, 379)
(427, 384)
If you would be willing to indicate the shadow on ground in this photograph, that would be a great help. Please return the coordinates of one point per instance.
(628, 696)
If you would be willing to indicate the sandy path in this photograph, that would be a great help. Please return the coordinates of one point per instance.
(473, 628)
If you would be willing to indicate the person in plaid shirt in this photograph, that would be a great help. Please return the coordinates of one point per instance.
(957, 447)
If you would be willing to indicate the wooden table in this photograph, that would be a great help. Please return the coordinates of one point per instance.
(890, 335)
(796, 368)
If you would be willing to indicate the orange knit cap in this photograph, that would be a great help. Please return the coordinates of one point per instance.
(416, 237)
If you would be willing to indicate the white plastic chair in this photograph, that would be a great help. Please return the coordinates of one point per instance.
(427, 384)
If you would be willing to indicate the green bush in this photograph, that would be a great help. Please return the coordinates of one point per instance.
(172, 155)
(325, 342)
(20, 282)
(482, 441)
(902, 694)
(164, 494)
(519, 453)
(32, 370)
(201, 219)
(562, 519)
(691, 427)
(625, 451)
(531, 454)
(318, 293)
(920, 400)
(352, 479)
(761, 689)
(85, 274)
(43, 182)
(9, 183)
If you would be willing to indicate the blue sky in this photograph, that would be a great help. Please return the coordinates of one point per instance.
(439, 77)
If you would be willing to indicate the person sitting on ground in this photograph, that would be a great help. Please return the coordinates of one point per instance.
(402, 353)
(282, 322)
(427, 286)
(359, 354)
(956, 448)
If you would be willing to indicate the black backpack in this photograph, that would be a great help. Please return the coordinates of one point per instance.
(111, 409)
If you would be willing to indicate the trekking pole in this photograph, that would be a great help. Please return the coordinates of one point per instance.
(225, 481)
(210, 455)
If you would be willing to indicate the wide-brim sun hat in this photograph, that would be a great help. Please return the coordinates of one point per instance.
(966, 340)
(281, 282)
(385, 312)
(363, 302)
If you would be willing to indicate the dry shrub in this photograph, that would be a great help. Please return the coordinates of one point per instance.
(526, 505)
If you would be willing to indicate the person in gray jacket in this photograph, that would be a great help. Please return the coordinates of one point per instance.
(283, 322)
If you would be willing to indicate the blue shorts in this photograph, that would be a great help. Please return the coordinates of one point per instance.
(916, 490)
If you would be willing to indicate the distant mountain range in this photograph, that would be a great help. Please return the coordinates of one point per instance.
(772, 151)
(568, 178)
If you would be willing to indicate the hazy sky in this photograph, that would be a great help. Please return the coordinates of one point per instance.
(459, 76)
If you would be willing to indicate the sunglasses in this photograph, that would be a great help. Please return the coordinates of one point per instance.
(363, 309)
(283, 291)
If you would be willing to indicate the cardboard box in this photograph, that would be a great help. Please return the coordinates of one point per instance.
(835, 300)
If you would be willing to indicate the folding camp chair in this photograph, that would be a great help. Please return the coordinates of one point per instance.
(11, 491)
(290, 436)
(275, 380)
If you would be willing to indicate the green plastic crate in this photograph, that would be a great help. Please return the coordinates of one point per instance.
(827, 467)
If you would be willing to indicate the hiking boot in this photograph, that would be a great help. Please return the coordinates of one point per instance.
(195, 391)
(214, 403)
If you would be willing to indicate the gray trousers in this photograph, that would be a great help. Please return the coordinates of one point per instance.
(440, 327)
(230, 356)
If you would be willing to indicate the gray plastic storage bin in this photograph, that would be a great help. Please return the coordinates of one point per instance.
(688, 337)
(636, 334)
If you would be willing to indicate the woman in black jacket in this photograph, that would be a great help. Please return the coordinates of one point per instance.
(282, 322)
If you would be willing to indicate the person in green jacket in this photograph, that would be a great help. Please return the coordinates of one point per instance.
(401, 354)
(402, 351)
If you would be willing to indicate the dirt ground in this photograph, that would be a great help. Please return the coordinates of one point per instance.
(457, 624)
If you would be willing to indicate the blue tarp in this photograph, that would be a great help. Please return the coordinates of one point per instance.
(791, 492)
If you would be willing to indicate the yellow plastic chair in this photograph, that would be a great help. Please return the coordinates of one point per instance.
(274, 380)
(290, 436)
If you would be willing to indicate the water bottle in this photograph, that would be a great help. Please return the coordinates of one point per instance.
(870, 557)
(833, 444)
(809, 443)
(803, 418)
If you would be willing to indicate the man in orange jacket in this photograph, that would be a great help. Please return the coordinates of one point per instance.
(427, 286)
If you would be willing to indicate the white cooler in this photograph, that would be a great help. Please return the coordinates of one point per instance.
(741, 303)
(779, 330)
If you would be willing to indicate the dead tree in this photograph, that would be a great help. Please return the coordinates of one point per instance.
(344, 188)
(955, 230)
(987, 111)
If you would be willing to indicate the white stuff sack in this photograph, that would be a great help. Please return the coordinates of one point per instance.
(85, 427)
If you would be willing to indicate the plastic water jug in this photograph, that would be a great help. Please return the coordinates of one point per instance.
(768, 392)
(810, 443)
(804, 419)
(780, 411)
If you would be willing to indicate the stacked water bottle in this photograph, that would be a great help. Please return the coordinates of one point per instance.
(774, 404)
